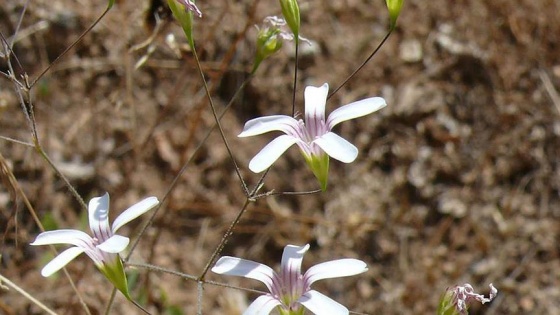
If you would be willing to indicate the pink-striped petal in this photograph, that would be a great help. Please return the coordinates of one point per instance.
(115, 244)
(271, 152)
(335, 269)
(234, 266)
(337, 147)
(315, 100)
(73, 237)
(61, 260)
(134, 211)
(98, 210)
(355, 110)
(292, 258)
(321, 304)
(263, 305)
(266, 124)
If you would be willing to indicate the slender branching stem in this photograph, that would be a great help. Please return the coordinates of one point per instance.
(184, 168)
(188, 277)
(362, 65)
(216, 118)
(59, 173)
(224, 240)
(72, 45)
(140, 307)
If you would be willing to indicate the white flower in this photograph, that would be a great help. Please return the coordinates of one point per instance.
(103, 247)
(314, 136)
(290, 291)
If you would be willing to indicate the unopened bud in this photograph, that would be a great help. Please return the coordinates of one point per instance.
(290, 11)
(394, 7)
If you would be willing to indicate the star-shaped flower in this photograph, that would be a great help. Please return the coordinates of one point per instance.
(290, 291)
(103, 247)
(314, 136)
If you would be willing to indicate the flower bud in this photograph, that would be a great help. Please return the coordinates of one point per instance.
(394, 7)
(290, 11)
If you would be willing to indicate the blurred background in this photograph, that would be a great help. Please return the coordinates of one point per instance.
(457, 179)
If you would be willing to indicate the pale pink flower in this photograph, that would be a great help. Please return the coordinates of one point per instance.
(290, 290)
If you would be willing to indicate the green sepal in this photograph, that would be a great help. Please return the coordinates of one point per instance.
(320, 167)
(185, 19)
(115, 273)
(446, 304)
(290, 11)
(110, 4)
(299, 311)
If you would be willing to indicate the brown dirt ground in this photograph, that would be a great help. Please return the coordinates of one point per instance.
(457, 180)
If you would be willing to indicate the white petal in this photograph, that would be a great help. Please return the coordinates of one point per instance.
(354, 110)
(292, 258)
(115, 244)
(134, 211)
(61, 260)
(335, 269)
(263, 305)
(321, 304)
(337, 147)
(266, 124)
(271, 152)
(98, 210)
(234, 266)
(73, 237)
(315, 100)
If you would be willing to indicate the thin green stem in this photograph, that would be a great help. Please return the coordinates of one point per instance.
(110, 302)
(72, 45)
(74, 192)
(287, 193)
(216, 118)
(188, 277)
(295, 78)
(184, 168)
(363, 63)
(140, 307)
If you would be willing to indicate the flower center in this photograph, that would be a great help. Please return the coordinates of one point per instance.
(288, 288)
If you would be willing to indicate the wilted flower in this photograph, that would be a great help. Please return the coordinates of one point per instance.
(103, 247)
(270, 38)
(290, 291)
(313, 136)
(190, 6)
(455, 300)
